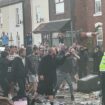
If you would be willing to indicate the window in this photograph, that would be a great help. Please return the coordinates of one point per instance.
(17, 16)
(39, 17)
(1, 19)
(59, 4)
(99, 31)
(98, 6)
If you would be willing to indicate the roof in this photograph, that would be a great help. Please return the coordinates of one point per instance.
(55, 26)
(9, 2)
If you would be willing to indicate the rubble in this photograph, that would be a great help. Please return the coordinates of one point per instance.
(80, 98)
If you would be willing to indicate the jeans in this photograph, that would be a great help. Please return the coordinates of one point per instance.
(60, 78)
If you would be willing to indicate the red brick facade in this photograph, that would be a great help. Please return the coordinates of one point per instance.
(84, 16)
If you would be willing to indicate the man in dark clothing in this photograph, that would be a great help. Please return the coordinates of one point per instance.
(47, 73)
(83, 62)
(4, 62)
(34, 59)
(21, 67)
(97, 56)
(66, 69)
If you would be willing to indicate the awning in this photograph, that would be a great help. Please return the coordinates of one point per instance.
(55, 26)
(4, 3)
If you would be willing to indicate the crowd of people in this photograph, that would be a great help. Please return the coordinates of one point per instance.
(45, 70)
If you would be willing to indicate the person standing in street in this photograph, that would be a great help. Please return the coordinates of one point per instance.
(47, 73)
(102, 76)
(5, 39)
(4, 62)
(83, 62)
(34, 60)
(64, 71)
(21, 67)
(97, 56)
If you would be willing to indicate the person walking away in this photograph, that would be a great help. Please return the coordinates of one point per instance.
(3, 73)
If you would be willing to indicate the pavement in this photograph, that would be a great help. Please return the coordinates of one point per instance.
(63, 97)
(92, 98)
(80, 98)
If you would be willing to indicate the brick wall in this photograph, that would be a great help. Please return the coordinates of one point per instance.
(52, 11)
(85, 19)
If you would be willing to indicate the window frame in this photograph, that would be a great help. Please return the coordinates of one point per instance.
(17, 17)
(98, 9)
(98, 40)
(58, 2)
(1, 19)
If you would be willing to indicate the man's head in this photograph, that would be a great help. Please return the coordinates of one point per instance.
(4, 54)
(3, 33)
(22, 52)
(35, 50)
(52, 51)
(12, 50)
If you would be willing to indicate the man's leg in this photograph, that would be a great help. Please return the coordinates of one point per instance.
(5, 86)
(68, 80)
(21, 83)
(60, 79)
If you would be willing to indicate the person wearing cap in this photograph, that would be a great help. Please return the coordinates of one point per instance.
(102, 75)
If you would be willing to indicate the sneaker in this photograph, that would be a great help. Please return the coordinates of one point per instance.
(72, 97)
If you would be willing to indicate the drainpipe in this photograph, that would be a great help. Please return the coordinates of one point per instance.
(23, 23)
(71, 24)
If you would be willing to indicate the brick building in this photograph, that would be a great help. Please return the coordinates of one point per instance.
(90, 17)
(60, 23)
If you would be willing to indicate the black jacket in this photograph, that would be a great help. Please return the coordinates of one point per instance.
(3, 67)
(48, 66)
(21, 70)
